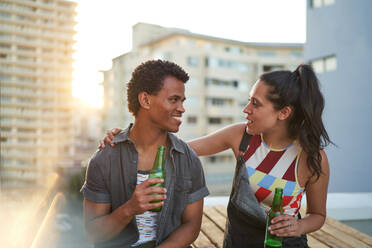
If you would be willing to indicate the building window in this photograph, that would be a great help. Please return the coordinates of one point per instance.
(296, 54)
(217, 101)
(210, 82)
(5, 15)
(214, 120)
(321, 3)
(192, 83)
(192, 119)
(267, 68)
(330, 63)
(325, 64)
(193, 61)
(266, 53)
(191, 101)
(234, 50)
(243, 86)
(226, 64)
(318, 65)
(163, 56)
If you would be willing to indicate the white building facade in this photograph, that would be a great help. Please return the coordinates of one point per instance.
(36, 39)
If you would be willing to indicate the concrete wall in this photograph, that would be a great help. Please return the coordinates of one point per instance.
(344, 29)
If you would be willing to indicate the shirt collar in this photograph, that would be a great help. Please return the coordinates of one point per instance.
(176, 143)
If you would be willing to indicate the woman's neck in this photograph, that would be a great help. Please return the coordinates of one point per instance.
(278, 139)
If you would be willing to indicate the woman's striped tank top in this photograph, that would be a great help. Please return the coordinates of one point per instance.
(270, 168)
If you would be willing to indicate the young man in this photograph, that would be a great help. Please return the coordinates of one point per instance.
(117, 194)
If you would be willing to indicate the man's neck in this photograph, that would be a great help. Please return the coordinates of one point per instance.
(147, 136)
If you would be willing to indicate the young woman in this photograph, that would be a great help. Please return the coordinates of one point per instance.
(287, 137)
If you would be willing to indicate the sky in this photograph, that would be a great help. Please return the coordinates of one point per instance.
(104, 29)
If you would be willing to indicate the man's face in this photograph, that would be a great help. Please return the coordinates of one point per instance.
(166, 107)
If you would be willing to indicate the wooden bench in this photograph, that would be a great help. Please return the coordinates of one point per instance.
(332, 234)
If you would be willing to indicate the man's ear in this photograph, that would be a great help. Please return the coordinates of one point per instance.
(284, 113)
(144, 100)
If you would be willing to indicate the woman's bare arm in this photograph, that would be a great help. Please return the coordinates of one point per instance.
(223, 139)
(316, 197)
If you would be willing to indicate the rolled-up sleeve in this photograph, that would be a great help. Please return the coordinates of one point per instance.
(199, 189)
(94, 188)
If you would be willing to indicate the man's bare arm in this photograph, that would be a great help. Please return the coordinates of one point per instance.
(101, 224)
(189, 230)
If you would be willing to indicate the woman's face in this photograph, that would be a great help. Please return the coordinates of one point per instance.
(261, 115)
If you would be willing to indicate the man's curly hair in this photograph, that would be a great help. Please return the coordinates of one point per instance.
(148, 77)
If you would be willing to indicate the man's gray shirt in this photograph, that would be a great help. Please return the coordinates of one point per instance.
(112, 175)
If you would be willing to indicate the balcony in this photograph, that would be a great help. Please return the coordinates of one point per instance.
(52, 26)
(34, 13)
(51, 134)
(24, 123)
(33, 114)
(18, 155)
(32, 32)
(36, 43)
(70, 9)
(223, 92)
(29, 73)
(222, 111)
(31, 54)
(22, 176)
(18, 168)
(30, 63)
(28, 84)
(28, 93)
(37, 105)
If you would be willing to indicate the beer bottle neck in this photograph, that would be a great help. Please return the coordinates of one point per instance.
(277, 202)
(159, 159)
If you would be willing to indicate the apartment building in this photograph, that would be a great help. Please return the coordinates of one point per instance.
(339, 46)
(36, 38)
(221, 72)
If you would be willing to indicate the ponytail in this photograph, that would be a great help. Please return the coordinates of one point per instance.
(300, 90)
(312, 135)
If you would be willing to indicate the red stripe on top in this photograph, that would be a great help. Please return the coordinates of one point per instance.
(296, 203)
(254, 143)
(270, 161)
(261, 194)
(289, 175)
(287, 200)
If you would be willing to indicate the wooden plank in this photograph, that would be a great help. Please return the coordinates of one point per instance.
(329, 239)
(344, 232)
(216, 217)
(350, 230)
(202, 241)
(314, 243)
(344, 237)
(222, 209)
(332, 234)
(214, 234)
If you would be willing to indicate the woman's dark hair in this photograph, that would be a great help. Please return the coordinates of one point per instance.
(148, 77)
(300, 90)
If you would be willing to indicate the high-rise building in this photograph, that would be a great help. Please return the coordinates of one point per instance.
(36, 39)
(339, 46)
(221, 72)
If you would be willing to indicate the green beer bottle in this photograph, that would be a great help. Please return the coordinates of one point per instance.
(158, 171)
(276, 210)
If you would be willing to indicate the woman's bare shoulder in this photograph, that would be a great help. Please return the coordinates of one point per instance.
(305, 174)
